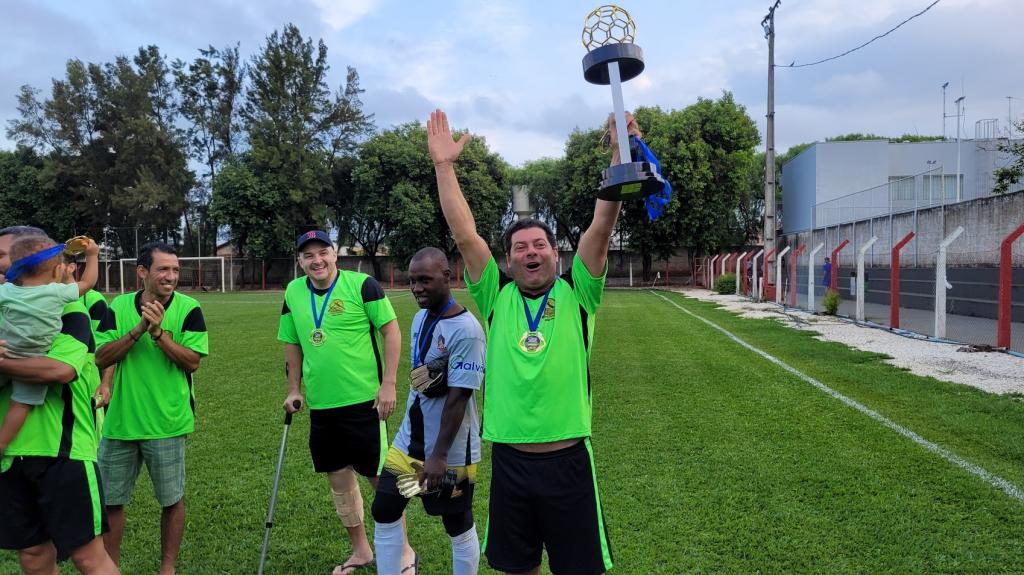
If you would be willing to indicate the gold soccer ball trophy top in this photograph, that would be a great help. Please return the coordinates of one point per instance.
(612, 59)
(608, 25)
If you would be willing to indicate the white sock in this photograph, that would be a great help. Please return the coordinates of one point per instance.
(388, 542)
(466, 553)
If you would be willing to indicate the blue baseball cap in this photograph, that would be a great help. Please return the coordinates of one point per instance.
(313, 236)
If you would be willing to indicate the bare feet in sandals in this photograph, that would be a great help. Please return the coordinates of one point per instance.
(352, 566)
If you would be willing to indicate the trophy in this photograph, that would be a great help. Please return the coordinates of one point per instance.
(612, 59)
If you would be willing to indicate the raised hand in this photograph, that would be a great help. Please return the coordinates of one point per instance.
(632, 129)
(91, 247)
(444, 149)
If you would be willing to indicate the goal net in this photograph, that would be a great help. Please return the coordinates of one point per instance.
(197, 274)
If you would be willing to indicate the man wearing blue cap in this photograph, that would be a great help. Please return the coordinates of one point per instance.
(332, 326)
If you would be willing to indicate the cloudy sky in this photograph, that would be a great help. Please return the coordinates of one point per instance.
(510, 70)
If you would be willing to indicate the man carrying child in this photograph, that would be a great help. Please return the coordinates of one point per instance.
(32, 302)
(51, 505)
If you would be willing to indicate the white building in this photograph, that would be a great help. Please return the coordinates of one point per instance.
(831, 183)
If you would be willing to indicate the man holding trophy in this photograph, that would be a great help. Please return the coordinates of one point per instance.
(540, 331)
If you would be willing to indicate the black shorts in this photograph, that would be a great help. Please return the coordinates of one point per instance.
(437, 503)
(546, 500)
(51, 499)
(350, 435)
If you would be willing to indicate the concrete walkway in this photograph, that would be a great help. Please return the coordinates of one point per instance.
(966, 329)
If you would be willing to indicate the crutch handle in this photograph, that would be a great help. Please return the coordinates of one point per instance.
(288, 414)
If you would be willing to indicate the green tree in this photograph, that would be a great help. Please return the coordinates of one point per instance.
(387, 197)
(1009, 175)
(567, 209)
(905, 138)
(117, 154)
(249, 206)
(28, 195)
(295, 128)
(209, 89)
(707, 153)
(585, 160)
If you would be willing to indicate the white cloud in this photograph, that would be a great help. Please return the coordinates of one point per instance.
(339, 14)
(864, 83)
(519, 146)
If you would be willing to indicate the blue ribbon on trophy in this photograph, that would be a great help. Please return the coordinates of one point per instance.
(657, 201)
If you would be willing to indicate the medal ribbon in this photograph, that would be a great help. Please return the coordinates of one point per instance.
(318, 318)
(422, 332)
(534, 322)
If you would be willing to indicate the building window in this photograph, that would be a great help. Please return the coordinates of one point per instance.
(901, 188)
(951, 187)
(940, 188)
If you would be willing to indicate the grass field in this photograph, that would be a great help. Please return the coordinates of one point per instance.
(711, 459)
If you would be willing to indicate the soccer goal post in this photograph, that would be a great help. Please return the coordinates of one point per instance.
(197, 274)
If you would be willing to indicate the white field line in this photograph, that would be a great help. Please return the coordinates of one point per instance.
(990, 478)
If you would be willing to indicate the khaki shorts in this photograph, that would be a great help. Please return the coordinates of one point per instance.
(120, 462)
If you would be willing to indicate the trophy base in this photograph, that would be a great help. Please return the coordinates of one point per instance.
(628, 181)
(629, 56)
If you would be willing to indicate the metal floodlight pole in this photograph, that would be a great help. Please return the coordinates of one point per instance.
(810, 277)
(1009, 117)
(944, 86)
(960, 101)
(941, 285)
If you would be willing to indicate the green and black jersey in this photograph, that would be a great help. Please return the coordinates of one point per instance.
(63, 425)
(348, 365)
(152, 397)
(537, 395)
(96, 305)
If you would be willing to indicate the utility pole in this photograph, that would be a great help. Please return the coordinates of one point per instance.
(1009, 117)
(768, 23)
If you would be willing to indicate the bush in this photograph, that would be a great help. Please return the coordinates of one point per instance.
(726, 284)
(831, 302)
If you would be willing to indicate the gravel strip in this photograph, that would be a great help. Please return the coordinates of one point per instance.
(993, 372)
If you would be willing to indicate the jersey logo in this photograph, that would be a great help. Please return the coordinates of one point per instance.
(337, 307)
(549, 310)
(461, 363)
(440, 344)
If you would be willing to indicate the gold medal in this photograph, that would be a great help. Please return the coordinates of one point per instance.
(532, 341)
(76, 245)
(317, 336)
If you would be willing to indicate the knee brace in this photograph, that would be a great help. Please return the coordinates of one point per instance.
(349, 505)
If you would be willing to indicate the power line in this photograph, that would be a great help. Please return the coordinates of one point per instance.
(851, 50)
